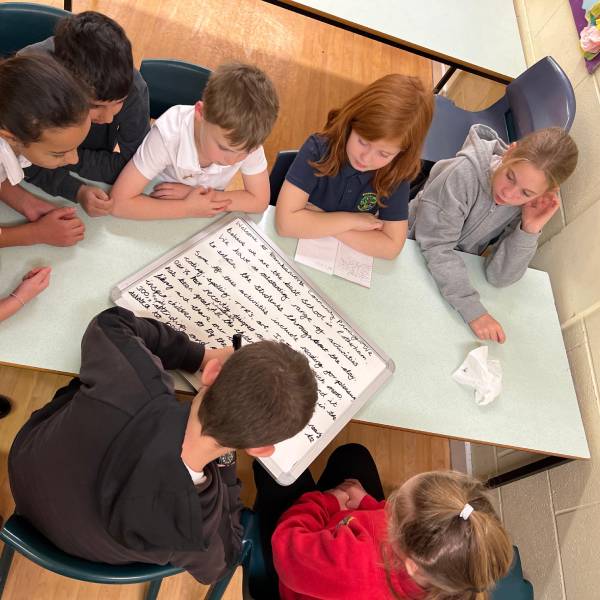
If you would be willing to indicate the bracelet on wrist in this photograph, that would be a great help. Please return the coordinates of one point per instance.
(17, 298)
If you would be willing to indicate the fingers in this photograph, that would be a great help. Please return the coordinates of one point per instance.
(66, 212)
(33, 272)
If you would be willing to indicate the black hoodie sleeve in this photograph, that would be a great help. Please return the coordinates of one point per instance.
(124, 357)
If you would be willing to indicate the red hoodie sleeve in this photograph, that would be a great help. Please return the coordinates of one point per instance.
(313, 559)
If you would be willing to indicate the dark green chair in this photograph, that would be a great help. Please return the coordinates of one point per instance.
(17, 534)
(172, 82)
(24, 24)
(251, 559)
(513, 586)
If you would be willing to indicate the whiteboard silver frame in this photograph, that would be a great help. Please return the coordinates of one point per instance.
(282, 477)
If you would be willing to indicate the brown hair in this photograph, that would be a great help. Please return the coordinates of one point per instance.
(395, 107)
(38, 93)
(550, 150)
(459, 558)
(242, 101)
(264, 394)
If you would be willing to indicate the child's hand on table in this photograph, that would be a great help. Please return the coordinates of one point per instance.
(206, 202)
(171, 191)
(487, 328)
(59, 227)
(95, 201)
(34, 283)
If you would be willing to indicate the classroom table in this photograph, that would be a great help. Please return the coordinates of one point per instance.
(478, 37)
(402, 312)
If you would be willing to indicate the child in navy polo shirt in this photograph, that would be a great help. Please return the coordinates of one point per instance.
(351, 180)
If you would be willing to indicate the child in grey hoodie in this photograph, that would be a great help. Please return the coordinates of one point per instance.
(490, 193)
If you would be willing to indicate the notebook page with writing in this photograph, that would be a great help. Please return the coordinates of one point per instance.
(229, 278)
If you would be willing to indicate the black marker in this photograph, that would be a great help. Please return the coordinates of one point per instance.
(237, 341)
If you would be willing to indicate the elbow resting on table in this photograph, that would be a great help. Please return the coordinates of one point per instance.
(497, 280)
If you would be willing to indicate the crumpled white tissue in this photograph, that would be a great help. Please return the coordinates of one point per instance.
(482, 373)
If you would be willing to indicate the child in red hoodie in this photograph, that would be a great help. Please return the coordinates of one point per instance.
(436, 538)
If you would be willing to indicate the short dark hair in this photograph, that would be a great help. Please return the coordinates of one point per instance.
(265, 393)
(95, 49)
(38, 93)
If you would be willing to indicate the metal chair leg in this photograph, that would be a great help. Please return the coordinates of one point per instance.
(153, 589)
(5, 562)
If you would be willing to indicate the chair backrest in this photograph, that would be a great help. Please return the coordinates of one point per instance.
(283, 162)
(513, 586)
(172, 82)
(19, 534)
(22, 24)
(541, 97)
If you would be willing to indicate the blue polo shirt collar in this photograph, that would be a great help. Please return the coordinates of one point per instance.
(349, 171)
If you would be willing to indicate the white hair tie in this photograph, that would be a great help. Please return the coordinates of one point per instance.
(465, 513)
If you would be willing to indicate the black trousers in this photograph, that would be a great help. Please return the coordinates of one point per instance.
(351, 461)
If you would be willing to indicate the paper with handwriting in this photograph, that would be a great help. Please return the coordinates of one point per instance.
(231, 278)
(335, 258)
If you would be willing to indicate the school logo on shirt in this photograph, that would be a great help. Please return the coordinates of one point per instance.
(367, 201)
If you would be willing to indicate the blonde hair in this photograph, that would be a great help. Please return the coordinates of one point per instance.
(459, 558)
(550, 150)
(242, 101)
(395, 107)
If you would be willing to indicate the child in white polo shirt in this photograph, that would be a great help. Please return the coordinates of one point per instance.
(196, 150)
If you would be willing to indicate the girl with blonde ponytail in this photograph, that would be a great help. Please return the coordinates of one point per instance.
(436, 538)
(443, 530)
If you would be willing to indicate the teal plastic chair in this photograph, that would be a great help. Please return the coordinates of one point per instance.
(513, 586)
(24, 24)
(19, 535)
(251, 559)
(172, 82)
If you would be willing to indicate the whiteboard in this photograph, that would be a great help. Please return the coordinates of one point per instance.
(232, 278)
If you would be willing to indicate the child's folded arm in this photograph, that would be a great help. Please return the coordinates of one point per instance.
(294, 219)
(385, 243)
(130, 203)
(254, 198)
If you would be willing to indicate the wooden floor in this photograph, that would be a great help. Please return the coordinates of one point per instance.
(315, 67)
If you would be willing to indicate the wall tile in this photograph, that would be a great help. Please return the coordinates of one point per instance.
(528, 516)
(592, 326)
(483, 460)
(579, 192)
(540, 11)
(573, 260)
(555, 225)
(524, 31)
(578, 482)
(515, 458)
(574, 335)
(558, 38)
(578, 534)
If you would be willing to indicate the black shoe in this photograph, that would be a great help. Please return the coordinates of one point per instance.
(5, 406)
